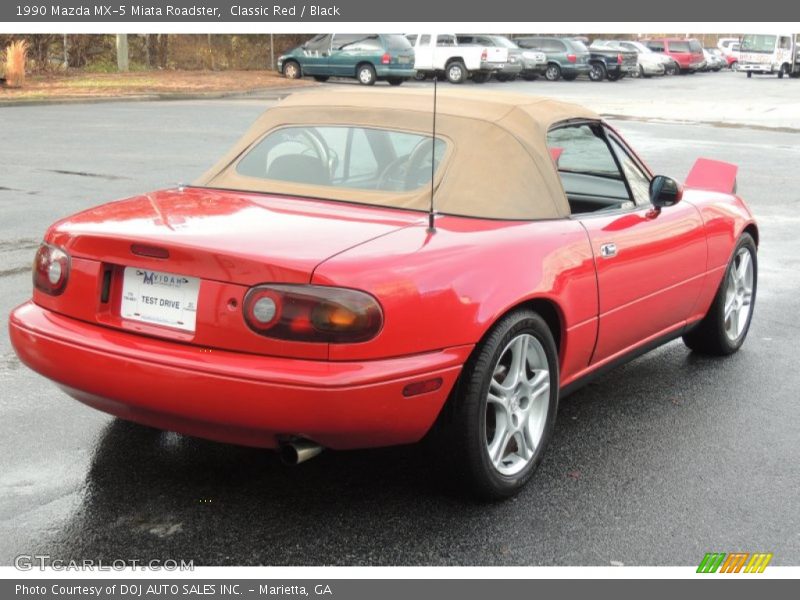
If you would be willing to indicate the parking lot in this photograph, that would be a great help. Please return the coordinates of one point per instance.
(667, 458)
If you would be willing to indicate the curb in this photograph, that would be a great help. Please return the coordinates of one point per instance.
(278, 91)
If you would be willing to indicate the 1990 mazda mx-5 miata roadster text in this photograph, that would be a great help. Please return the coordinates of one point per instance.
(297, 297)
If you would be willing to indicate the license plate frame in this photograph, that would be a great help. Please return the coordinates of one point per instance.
(160, 298)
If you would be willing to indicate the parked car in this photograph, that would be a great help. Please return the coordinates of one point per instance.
(301, 294)
(612, 63)
(440, 53)
(528, 64)
(650, 61)
(726, 44)
(688, 53)
(715, 59)
(366, 57)
(566, 58)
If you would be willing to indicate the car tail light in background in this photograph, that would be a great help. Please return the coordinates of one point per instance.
(572, 58)
(312, 313)
(485, 55)
(50, 270)
(619, 58)
(386, 58)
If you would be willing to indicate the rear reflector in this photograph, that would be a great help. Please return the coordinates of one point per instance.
(422, 387)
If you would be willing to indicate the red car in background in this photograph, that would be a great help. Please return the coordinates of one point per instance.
(302, 295)
(688, 53)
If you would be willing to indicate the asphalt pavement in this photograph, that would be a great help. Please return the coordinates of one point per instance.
(658, 462)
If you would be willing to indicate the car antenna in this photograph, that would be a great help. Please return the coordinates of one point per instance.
(431, 214)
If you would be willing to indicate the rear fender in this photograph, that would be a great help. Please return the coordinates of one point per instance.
(712, 175)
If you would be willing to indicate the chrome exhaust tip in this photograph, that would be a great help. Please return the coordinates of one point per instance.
(293, 453)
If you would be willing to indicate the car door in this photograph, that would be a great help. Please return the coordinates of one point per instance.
(650, 264)
(349, 50)
(423, 53)
(316, 55)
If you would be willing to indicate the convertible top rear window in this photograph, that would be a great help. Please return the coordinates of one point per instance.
(344, 157)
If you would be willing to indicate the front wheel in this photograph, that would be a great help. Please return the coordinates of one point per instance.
(749, 74)
(505, 405)
(366, 74)
(723, 330)
(291, 70)
(672, 69)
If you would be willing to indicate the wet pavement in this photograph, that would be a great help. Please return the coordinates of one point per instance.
(667, 458)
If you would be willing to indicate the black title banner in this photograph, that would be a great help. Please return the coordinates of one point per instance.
(216, 11)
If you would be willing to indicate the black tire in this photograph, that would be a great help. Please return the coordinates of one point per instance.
(502, 78)
(709, 336)
(480, 77)
(734, 66)
(615, 76)
(784, 70)
(395, 81)
(292, 70)
(321, 78)
(455, 72)
(749, 74)
(672, 69)
(597, 72)
(638, 73)
(553, 72)
(530, 76)
(365, 74)
(467, 432)
(569, 76)
(420, 76)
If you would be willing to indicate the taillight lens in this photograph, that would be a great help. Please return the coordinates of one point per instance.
(312, 313)
(572, 58)
(619, 58)
(386, 58)
(485, 55)
(50, 270)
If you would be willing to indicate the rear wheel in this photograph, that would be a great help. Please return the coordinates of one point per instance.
(481, 77)
(530, 76)
(365, 74)
(597, 72)
(553, 72)
(672, 69)
(321, 78)
(638, 73)
(291, 70)
(456, 72)
(420, 76)
(724, 329)
(749, 74)
(505, 406)
(395, 81)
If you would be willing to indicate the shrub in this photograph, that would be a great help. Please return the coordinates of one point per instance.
(16, 54)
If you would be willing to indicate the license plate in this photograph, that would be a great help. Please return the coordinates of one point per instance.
(404, 60)
(160, 298)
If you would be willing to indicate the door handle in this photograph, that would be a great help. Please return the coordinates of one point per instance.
(608, 250)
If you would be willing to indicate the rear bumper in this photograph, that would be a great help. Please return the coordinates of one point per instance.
(230, 397)
(392, 71)
(757, 67)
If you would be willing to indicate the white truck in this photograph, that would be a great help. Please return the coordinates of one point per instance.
(440, 53)
(768, 53)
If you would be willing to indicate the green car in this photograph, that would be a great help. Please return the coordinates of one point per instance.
(366, 57)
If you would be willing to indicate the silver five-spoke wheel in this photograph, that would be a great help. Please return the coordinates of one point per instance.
(738, 294)
(517, 404)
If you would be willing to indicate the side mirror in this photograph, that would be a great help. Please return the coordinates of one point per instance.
(665, 192)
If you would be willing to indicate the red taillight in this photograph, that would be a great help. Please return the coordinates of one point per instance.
(386, 58)
(619, 58)
(485, 55)
(50, 270)
(572, 58)
(312, 313)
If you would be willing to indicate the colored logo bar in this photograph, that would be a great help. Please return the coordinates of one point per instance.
(734, 562)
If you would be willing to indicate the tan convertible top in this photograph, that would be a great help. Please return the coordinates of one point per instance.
(497, 164)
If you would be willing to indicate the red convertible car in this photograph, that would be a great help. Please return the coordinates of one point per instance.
(300, 296)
